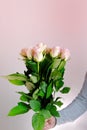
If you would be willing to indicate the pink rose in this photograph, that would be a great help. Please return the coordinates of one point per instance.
(48, 50)
(65, 54)
(29, 53)
(55, 51)
(24, 52)
(40, 47)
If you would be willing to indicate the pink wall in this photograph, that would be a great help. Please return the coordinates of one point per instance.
(24, 23)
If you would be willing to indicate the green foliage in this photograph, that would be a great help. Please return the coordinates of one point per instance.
(38, 121)
(62, 65)
(58, 103)
(21, 108)
(31, 66)
(16, 78)
(42, 80)
(56, 63)
(56, 74)
(65, 90)
(35, 94)
(58, 84)
(45, 67)
(45, 113)
(35, 105)
(34, 78)
(53, 110)
(25, 97)
(29, 85)
(17, 82)
(41, 94)
(43, 86)
(49, 90)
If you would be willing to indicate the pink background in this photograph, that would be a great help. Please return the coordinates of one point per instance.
(23, 23)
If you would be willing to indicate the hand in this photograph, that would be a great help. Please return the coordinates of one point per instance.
(50, 123)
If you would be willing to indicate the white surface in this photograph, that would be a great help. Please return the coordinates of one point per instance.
(54, 22)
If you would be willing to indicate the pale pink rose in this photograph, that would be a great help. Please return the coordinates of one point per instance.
(65, 54)
(24, 52)
(29, 53)
(37, 55)
(40, 47)
(48, 50)
(55, 51)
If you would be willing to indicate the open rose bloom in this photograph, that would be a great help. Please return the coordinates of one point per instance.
(43, 77)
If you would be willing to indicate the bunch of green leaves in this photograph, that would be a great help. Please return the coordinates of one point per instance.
(42, 79)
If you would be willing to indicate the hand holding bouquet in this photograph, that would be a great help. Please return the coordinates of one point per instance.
(43, 77)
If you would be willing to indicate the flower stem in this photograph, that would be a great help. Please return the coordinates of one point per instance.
(38, 67)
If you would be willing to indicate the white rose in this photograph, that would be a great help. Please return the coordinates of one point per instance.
(37, 55)
(55, 51)
(65, 54)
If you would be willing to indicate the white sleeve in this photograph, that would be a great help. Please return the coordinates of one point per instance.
(76, 108)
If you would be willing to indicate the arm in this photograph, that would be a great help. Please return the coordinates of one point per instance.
(73, 111)
(78, 106)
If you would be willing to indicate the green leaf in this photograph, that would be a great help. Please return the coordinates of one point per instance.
(20, 109)
(58, 103)
(35, 94)
(26, 95)
(43, 86)
(65, 90)
(45, 66)
(55, 63)
(34, 78)
(62, 65)
(30, 86)
(49, 90)
(58, 84)
(53, 110)
(45, 113)
(45, 63)
(35, 105)
(58, 98)
(31, 65)
(49, 69)
(38, 121)
(41, 93)
(16, 76)
(56, 75)
(17, 82)
(24, 98)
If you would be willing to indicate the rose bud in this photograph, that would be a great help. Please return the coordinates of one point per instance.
(65, 54)
(29, 53)
(37, 55)
(55, 51)
(24, 52)
(41, 46)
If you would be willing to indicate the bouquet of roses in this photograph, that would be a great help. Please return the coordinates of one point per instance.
(43, 77)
